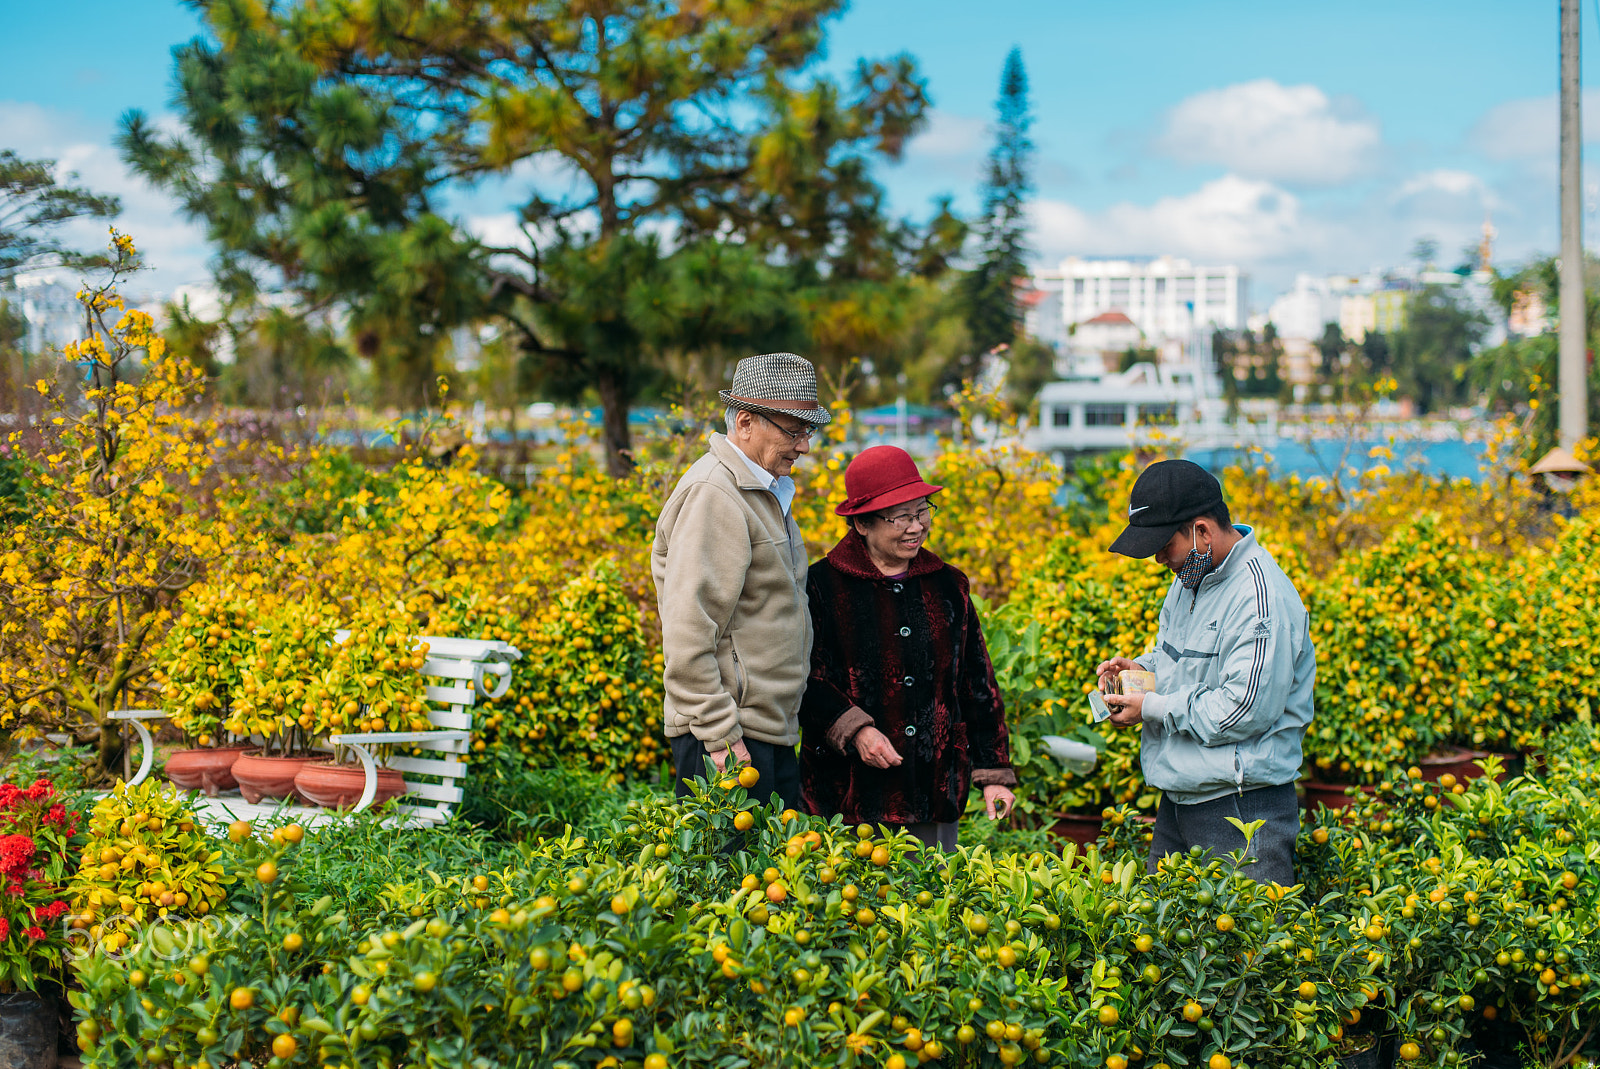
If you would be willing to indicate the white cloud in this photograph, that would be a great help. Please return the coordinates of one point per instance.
(1530, 128)
(1443, 183)
(1261, 129)
(1227, 220)
(950, 136)
(174, 248)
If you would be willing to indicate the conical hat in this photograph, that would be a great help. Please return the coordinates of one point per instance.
(1560, 461)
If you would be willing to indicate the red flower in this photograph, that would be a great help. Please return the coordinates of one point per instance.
(34, 933)
(5, 929)
(57, 814)
(41, 789)
(46, 914)
(15, 852)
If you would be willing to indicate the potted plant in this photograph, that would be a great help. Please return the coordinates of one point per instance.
(373, 683)
(286, 687)
(1388, 658)
(200, 668)
(35, 827)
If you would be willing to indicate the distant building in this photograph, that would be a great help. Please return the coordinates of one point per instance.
(1305, 311)
(1166, 298)
(1109, 334)
(1358, 316)
(1389, 309)
(49, 305)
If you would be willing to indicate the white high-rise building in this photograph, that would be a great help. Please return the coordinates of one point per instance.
(1166, 297)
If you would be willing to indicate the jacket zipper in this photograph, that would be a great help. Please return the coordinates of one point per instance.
(738, 675)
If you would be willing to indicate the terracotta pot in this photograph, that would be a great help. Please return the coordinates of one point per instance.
(1462, 764)
(1079, 827)
(339, 786)
(1330, 795)
(28, 1028)
(209, 769)
(269, 777)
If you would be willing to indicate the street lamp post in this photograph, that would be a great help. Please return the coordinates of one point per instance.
(1574, 410)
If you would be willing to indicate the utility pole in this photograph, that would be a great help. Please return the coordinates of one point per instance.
(1572, 362)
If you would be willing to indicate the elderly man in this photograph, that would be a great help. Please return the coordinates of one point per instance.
(730, 573)
(1234, 669)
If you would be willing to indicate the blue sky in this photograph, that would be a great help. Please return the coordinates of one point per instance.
(1284, 137)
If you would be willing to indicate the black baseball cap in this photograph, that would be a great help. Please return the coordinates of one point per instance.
(1167, 495)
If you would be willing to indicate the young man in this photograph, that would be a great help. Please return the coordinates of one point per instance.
(730, 573)
(1234, 669)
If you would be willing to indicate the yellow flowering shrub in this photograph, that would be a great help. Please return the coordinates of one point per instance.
(112, 530)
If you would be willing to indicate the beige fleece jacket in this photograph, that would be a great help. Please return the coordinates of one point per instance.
(730, 575)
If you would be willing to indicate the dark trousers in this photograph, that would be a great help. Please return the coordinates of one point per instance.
(1178, 827)
(778, 765)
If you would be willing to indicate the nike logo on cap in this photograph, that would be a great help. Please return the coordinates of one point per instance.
(1132, 510)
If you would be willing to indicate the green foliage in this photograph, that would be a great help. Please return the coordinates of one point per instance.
(361, 859)
(507, 797)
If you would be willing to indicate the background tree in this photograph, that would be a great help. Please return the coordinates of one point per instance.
(990, 289)
(33, 205)
(1227, 348)
(1520, 375)
(1432, 352)
(321, 140)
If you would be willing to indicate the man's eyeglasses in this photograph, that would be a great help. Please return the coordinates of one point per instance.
(900, 521)
(801, 435)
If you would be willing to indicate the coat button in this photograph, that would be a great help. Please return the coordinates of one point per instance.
(897, 588)
(905, 632)
(909, 681)
(911, 729)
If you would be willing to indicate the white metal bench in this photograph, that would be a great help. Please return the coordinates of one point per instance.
(466, 668)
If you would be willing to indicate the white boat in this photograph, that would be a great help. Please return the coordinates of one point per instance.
(1090, 410)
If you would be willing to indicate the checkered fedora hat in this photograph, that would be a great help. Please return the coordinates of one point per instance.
(779, 384)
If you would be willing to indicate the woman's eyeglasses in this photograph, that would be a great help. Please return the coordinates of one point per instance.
(900, 521)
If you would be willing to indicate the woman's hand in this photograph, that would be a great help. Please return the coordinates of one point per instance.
(998, 800)
(875, 748)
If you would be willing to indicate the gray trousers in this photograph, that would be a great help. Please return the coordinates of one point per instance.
(1178, 827)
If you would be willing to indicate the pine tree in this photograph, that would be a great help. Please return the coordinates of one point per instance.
(321, 139)
(989, 291)
(32, 204)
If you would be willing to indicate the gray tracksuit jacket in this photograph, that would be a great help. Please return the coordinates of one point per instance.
(1235, 670)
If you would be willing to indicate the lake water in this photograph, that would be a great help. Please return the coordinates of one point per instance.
(1320, 458)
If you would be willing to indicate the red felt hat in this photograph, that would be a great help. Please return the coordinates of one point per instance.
(880, 478)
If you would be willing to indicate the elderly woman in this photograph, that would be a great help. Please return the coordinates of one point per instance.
(901, 715)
